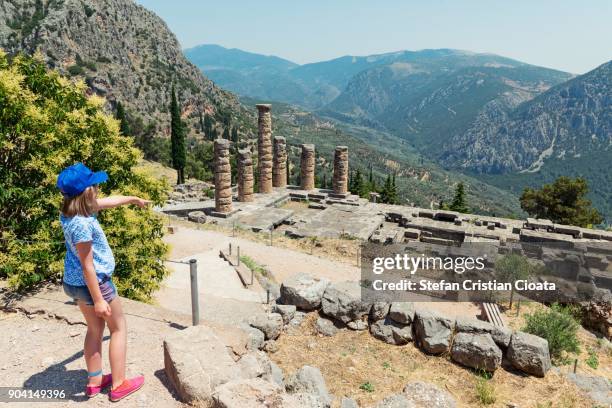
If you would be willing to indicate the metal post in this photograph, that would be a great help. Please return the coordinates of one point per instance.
(518, 307)
(195, 297)
(267, 296)
(575, 364)
(238, 254)
(230, 248)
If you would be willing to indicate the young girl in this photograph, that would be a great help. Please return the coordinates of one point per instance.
(88, 267)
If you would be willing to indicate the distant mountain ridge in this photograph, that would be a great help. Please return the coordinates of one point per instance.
(123, 51)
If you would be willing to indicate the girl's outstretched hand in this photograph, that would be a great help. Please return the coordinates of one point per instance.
(102, 309)
(141, 202)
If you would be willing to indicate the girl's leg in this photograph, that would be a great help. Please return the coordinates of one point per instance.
(92, 348)
(118, 343)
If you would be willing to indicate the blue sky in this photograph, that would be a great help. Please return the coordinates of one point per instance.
(574, 36)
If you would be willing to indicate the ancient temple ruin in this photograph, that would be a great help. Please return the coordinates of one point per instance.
(341, 171)
(307, 167)
(279, 170)
(223, 177)
(264, 148)
(245, 176)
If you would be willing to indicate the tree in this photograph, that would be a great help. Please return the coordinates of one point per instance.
(235, 135)
(226, 133)
(459, 202)
(513, 267)
(177, 139)
(124, 126)
(388, 193)
(562, 202)
(208, 126)
(55, 124)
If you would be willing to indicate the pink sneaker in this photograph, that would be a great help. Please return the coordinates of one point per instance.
(126, 388)
(93, 390)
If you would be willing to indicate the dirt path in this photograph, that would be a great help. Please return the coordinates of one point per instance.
(281, 261)
(46, 353)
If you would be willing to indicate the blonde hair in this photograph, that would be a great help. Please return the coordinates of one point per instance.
(85, 204)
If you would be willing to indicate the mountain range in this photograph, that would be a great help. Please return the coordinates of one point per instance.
(501, 120)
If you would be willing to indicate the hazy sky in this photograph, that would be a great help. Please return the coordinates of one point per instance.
(574, 36)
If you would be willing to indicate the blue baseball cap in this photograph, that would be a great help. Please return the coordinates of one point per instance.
(73, 180)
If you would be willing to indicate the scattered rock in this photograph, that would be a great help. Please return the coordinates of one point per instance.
(254, 364)
(391, 332)
(197, 216)
(477, 351)
(402, 312)
(276, 375)
(298, 318)
(303, 291)
(529, 353)
(342, 301)
(270, 324)
(598, 388)
(426, 395)
(395, 401)
(309, 380)
(302, 400)
(501, 335)
(432, 331)
(379, 311)
(253, 392)
(326, 327)
(357, 325)
(196, 362)
(348, 403)
(286, 311)
(270, 346)
(255, 337)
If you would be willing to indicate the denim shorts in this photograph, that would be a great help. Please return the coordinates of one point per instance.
(107, 287)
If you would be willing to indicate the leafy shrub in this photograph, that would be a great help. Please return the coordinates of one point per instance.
(47, 123)
(592, 361)
(367, 387)
(75, 70)
(558, 326)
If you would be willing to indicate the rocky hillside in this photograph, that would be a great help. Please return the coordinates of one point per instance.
(122, 51)
(567, 121)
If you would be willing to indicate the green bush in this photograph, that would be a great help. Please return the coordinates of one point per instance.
(485, 391)
(592, 361)
(47, 123)
(75, 70)
(558, 326)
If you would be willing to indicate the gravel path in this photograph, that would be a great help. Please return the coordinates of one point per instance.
(281, 261)
(45, 353)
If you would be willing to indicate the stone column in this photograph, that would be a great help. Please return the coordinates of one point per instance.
(245, 175)
(264, 148)
(307, 167)
(279, 171)
(341, 170)
(223, 177)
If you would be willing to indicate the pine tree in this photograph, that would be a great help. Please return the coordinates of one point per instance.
(124, 126)
(235, 135)
(459, 202)
(226, 133)
(388, 193)
(208, 127)
(177, 139)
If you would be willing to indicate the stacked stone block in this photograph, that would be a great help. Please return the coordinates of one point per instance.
(307, 167)
(279, 170)
(245, 176)
(223, 177)
(264, 148)
(341, 170)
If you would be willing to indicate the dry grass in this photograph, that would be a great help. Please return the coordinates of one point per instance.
(588, 341)
(350, 359)
(158, 170)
